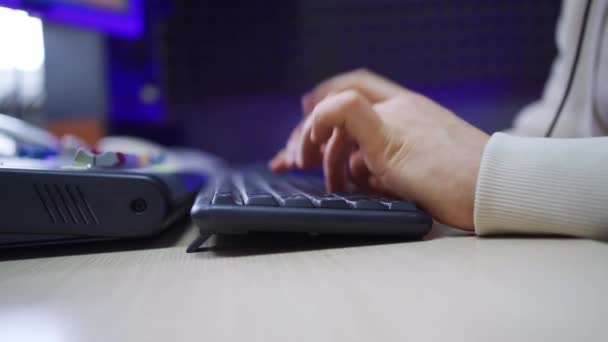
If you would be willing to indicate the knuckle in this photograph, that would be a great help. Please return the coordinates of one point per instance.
(361, 72)
(403, 99)
(364, 73)
(391, 107)
(381, 107)
(404, 102)
(351, 99)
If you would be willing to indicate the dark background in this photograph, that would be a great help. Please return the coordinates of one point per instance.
(227, 76)
(234, 70)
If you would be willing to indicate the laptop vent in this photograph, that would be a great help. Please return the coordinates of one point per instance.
(65, 204)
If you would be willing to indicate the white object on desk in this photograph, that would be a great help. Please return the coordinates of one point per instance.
(27, 133)
(8, 145)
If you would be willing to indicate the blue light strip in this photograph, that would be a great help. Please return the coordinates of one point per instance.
(127, 24)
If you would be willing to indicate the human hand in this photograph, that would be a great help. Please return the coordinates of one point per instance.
(386, 138)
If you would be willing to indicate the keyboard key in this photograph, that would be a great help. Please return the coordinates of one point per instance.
(205, 197)
(264, 200)
(224, 185)
(315, 191)
(363, 202)
(223, 198)
(309, 186)
(252, 194)
(223, 193)
(279, 188)
(294, 201)
(329, 202)
(396, 205)
(286, 195)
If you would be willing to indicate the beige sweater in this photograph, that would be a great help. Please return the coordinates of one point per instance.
(556, 185)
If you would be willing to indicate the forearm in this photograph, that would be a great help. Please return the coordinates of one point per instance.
(543, 186)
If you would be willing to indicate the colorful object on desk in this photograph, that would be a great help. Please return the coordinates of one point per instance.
(108, 160)
(34, 151)
(84, 157)
(112, 160)
(70, 144)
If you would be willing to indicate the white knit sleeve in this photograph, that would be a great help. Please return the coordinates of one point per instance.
(543, 186)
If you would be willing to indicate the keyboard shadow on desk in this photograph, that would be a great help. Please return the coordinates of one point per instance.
(276, 243)
(176, 234)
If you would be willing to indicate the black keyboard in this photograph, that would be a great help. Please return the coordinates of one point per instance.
(247, 201)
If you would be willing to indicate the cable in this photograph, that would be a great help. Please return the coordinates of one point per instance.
(577, 55)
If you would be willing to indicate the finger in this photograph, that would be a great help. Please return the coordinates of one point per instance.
(284, 159)
(350, 111)
(374, 87)
(358, 171)
(308, 104)
(291, 149)
(308, 101)
(278, 163)
(335, 158)
(289, 152)
(308, 154)
(375, 185)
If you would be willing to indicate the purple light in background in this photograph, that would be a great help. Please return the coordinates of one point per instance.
(127, 23)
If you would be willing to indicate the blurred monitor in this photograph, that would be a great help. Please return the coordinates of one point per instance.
(117, 17)
(44, 63)
(117, 5)
(21, 64)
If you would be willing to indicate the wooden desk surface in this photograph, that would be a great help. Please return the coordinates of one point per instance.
(450, 288)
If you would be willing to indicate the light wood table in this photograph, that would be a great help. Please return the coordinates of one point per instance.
(452, 287)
